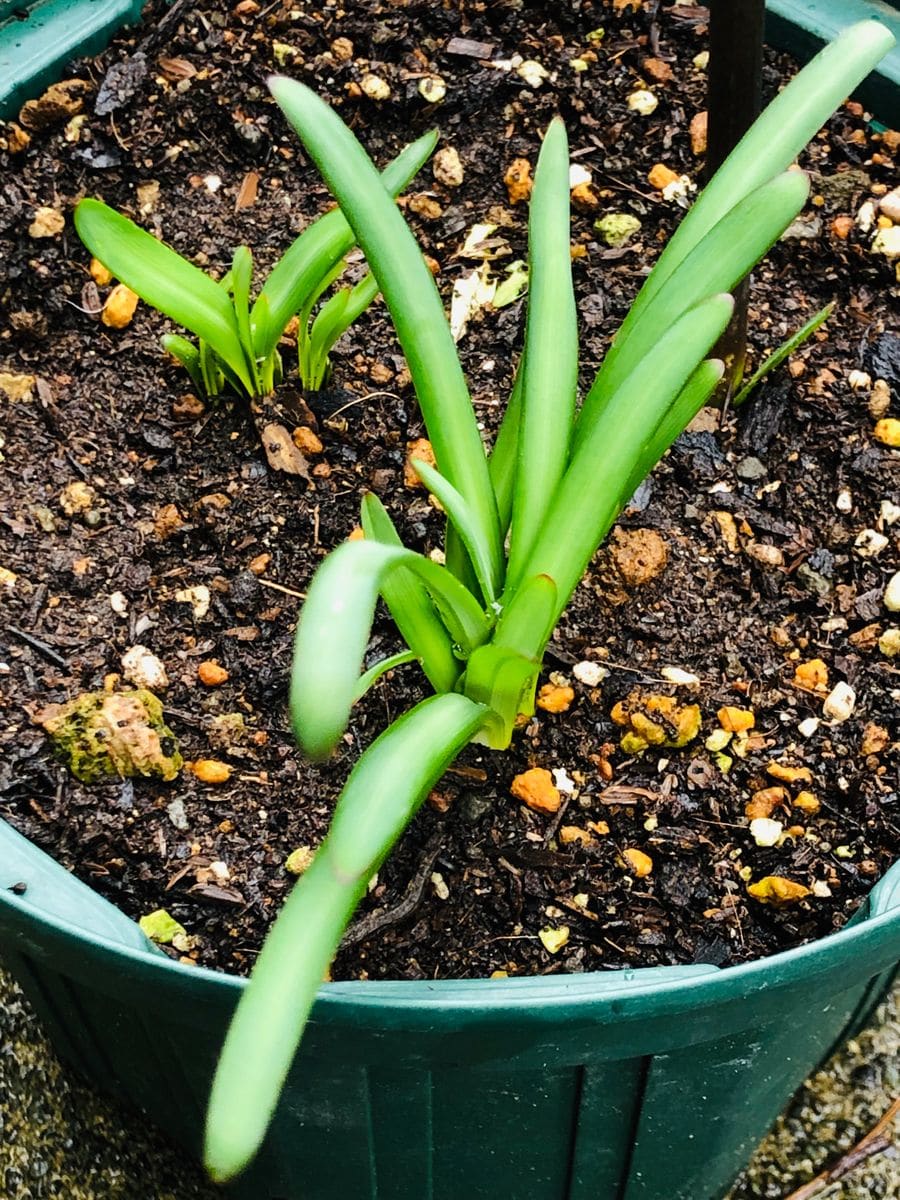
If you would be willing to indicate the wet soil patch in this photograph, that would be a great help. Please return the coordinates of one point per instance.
(759, 570)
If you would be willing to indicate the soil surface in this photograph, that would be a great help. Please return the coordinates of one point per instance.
(737, 562)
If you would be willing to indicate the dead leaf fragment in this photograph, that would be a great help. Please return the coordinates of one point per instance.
(282, 453)
(764, 802)
(167, 522)
(59, 103)
(536, 789)
(246, 196)
(699, 133)
(17, 387)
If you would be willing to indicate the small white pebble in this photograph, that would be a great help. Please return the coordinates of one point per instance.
(892, 593)
(591, 674)
(844, 502)
(821, 889)
(890, 512)
(578, 175)
(865, 218)
(375, 87)
(532, 72)
(859, 380)
(563, 782)
(808, 727)
(141, 667)
(677, 676)
(212, 183)
(765, 832)
(220, 870)
(840, 702)
(440, 886)
(889, 642)
(701, 60)
(643, 102)
(118, 603)
(198, 597)
(869, 543)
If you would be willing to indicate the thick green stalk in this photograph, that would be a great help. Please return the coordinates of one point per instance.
(409, 292)
(551, 350)
(385, 789)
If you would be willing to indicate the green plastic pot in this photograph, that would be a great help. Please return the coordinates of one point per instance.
(804, 26)
(38, 38)
(651, 1084)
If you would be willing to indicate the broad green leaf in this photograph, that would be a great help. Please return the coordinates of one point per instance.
(591, 492)
(409, 292)
(551, 350)
(488, 570)
(334, 630)
(383, 793)
(716, 264)
(411, 606)
(163, 279)
(322, 246)
(785, 350)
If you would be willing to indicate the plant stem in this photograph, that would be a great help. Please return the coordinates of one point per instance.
(736, 29)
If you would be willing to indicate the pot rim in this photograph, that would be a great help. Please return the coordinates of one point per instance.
(642, 993)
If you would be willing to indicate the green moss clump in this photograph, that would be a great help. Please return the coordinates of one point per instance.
(102, 735)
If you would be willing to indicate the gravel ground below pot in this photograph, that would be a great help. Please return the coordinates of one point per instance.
(60, 1139)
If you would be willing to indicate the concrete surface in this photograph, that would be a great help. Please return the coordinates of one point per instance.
(58, 1139)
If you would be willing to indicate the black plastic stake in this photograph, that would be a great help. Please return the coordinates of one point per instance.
(736, 30)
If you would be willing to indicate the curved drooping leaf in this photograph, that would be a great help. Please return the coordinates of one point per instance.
(334, 630)
(410, 604)
(187, 354)
(385, 789)
(370, 677)
(162, 278)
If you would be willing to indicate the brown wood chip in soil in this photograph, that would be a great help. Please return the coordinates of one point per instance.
(108, 411)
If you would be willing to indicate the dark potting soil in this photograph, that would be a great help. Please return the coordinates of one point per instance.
(186, 138)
